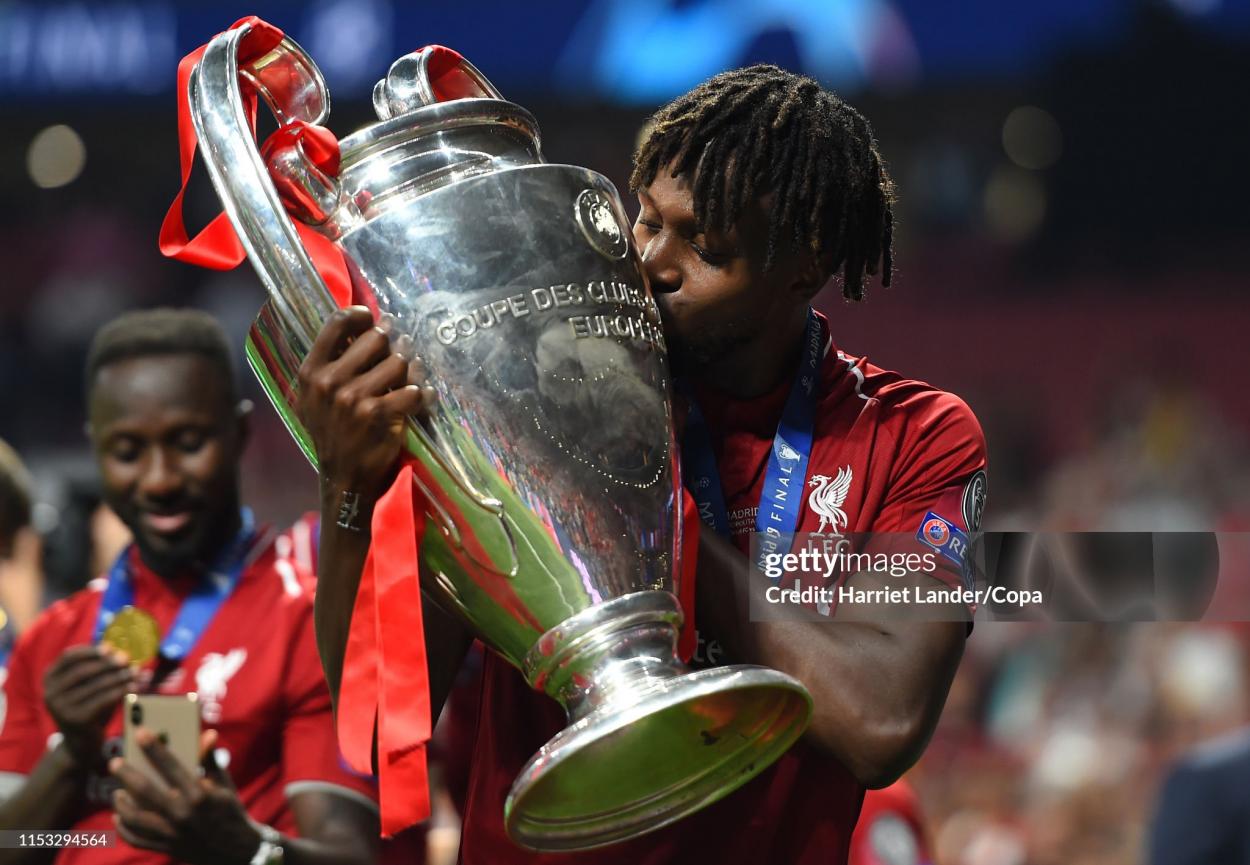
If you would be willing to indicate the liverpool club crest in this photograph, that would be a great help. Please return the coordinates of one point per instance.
(827, 497)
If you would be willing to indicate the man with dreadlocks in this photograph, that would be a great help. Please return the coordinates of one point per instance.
(756, 189)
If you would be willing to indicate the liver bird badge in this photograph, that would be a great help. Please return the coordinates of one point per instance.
(827, 497)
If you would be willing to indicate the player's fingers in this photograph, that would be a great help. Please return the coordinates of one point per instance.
(409, 400)
(403, 344)
(138, 839)
(171, 769)
(342, 326)
(148, 793)
(73, 655)
(142, 821)
(429, 399)
(389, 373)
(327, 383)
(93, 668)
(215, 772)
(418, 372)
(208, 741)
(99, 689)
(366, 350)
(102, 707)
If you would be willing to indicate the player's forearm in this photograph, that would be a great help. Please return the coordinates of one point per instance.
(877, 686)
(310, 851)
(49, 799)
(340, 561)
(332, 830)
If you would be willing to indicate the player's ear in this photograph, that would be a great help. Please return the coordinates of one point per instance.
(243, 421)
(812, 273)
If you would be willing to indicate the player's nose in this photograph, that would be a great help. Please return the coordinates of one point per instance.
(660, 267)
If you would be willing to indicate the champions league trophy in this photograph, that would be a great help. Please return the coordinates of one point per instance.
(548, 467)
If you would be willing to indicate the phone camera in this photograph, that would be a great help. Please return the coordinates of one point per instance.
(136, 714)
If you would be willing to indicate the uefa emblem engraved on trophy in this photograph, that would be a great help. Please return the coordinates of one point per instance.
(598, 222)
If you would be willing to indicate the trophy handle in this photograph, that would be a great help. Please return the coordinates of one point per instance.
(291, 85)
(410, 82)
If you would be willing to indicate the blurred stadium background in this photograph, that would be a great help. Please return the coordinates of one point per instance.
(1072, 236)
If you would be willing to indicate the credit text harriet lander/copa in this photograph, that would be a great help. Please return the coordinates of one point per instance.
(901, 595)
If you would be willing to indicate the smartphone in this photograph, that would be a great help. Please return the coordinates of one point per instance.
(175, 719)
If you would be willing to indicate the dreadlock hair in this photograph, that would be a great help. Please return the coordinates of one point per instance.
(162, 331)
(748, 132)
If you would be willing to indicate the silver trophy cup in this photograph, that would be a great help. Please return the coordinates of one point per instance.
(548, 470)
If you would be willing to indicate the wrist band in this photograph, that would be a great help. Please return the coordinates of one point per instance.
(270, 850)
(349, 511)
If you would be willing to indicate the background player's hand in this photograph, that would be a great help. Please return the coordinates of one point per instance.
(82, 689)
(193, 819)
(355, 393)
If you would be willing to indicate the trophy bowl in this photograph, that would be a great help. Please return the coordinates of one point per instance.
(548, 469)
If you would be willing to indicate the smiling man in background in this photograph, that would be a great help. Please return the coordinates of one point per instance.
(227, 618)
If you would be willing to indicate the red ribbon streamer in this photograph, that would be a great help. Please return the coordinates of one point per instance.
(216, 246)
(385, 675)
(688, 640)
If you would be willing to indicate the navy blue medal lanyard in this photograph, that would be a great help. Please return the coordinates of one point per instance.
(200, 606)
(784, 483)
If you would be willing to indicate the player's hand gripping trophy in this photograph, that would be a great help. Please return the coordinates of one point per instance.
(547, 470)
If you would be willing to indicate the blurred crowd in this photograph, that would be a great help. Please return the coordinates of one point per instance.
(1057, 737)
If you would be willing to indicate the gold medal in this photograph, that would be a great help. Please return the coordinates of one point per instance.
(135, 633)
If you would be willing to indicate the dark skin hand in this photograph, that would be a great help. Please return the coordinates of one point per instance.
(82, 689)
(355, 397)
(200, 820)
(878, 683)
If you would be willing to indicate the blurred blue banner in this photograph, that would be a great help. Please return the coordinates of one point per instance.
(629, 51)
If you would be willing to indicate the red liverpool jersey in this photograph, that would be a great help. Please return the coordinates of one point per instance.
(905, 452)
(255, 669)
(890, 830)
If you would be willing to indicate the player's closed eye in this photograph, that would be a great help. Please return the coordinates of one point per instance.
(713, 259)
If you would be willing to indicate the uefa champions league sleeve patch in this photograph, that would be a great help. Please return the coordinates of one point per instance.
(944, 537)
(974, 502)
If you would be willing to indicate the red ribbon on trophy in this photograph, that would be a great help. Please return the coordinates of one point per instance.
(688, 639)
(385, 677)
(216, 246)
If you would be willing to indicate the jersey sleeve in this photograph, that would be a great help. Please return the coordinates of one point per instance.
(937, 489)
(22, 740)
(297, 549)
(311, 761)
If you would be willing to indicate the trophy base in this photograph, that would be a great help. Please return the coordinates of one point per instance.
(622, 771)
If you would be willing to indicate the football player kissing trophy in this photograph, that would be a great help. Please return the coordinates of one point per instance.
(547, 472)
